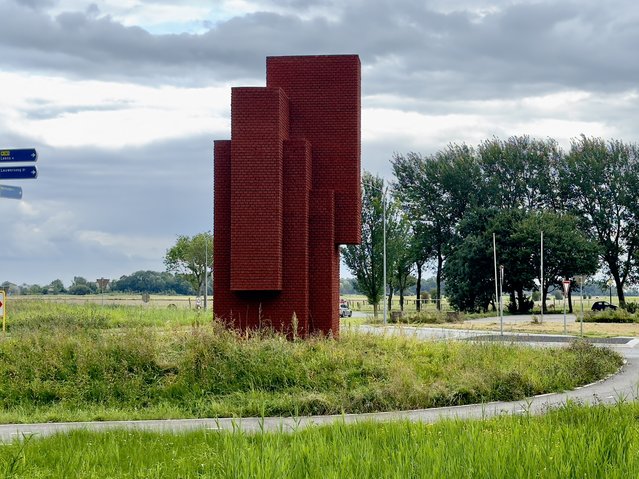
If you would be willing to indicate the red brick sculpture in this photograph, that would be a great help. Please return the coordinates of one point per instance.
(287, 194)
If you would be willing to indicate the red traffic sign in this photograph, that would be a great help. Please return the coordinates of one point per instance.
(566, 284)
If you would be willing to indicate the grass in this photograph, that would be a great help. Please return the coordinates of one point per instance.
(31, 315)
(574, 441)
(72, 363)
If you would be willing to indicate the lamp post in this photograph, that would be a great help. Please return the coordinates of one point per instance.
(501, 301)
(206, 266)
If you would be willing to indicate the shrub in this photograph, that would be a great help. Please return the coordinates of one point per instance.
(609, 316)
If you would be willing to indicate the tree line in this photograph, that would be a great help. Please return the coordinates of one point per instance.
(450, 209)
(188, 263)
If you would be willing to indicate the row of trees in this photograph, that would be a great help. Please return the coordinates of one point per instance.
(446, 207)
(188, 262)
(153, 282)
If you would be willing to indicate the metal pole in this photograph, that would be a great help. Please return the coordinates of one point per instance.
(543, 296)
(565, 325)
(495, 261)
(501, 302)
(384, 212)
(581, 329)
(206, 266)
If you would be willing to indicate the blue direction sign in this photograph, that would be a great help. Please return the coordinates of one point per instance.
(18, 172)
(14, 192)
(19, 154)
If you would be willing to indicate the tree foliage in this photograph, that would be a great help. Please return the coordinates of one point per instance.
(600, 183)
(365, 260)
(152, 282)
(191, 258)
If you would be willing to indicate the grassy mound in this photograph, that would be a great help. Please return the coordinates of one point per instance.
(73, 373)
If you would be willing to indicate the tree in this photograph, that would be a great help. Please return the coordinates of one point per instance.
(81, 286)
(191, 258)
(365, 260)
(401, 255)
(568, 252)
(600, 183)
(435, 191)
(469, 270)
(152, 282)
(520, 172)
(55, 287)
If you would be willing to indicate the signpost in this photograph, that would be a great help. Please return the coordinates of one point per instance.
(18, 155)
(566, 284)
(3, 313)
(18, 172)
(14, 192)
(30, 172)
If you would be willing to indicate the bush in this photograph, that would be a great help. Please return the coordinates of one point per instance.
(609, 316)
(433, 317)
(632, 307)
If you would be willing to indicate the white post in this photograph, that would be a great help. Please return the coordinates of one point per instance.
(565, 294)
(501, 302)
(495, 261)
(582, 306)
(206, 267)
(541, 279)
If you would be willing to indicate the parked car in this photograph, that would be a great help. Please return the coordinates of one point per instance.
(602, 306)
(345, 311)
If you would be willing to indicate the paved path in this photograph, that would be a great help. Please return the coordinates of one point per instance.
(621, 386)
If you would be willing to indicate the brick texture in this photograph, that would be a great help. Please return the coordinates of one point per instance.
(287, 194)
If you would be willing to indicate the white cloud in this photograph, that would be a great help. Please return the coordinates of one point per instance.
(64, 112)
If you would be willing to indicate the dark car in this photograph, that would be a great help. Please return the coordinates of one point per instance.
(602, 306)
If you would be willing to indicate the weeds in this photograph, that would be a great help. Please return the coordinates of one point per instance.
(211, 372)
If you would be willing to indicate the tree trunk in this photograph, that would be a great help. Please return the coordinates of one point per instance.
(570, 299)
(390, 298)
(620, 294)
(375, 309)
(520, 300)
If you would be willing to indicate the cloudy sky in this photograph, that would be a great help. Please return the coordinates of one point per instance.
(123, 99)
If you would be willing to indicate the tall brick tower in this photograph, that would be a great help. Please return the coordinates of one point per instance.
(287, 194)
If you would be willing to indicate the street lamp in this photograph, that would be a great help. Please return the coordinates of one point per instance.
(501, 301)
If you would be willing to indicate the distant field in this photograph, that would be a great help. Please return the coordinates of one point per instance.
(155, 301)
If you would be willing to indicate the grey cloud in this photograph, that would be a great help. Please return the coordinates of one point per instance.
(45, 111)
(157, 191)
(405, 47)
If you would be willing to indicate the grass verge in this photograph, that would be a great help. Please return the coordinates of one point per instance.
(570, 442)
(73, 373)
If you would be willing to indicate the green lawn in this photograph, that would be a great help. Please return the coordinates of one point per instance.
(573, 442)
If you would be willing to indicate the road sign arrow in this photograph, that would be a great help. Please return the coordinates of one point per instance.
(18, 172)
(18, 154)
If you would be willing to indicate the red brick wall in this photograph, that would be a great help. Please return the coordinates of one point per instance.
(287, 194)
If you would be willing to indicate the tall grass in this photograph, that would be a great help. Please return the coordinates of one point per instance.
(573, 442)
(30, 315)
(84, 373)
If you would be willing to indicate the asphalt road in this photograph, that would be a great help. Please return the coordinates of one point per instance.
(621, 386)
